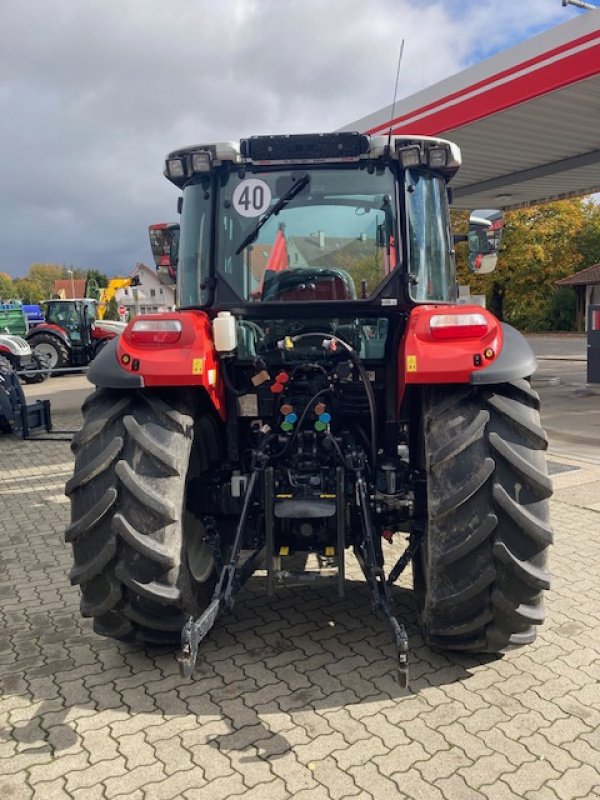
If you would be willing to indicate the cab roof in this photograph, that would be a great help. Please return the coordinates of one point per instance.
(439, 154)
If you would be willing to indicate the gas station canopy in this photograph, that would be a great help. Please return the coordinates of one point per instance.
(527, 120)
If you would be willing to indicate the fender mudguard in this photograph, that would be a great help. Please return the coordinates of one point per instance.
(106, 371)
(515, 360)
(481, 354)
(53, 330)
(134, 360)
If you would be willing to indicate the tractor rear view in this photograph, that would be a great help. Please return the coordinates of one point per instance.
(318, 390)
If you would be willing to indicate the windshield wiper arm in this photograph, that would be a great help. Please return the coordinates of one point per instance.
(295, 189)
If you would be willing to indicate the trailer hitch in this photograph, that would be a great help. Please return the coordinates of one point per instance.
(228, 585)
(372, 566)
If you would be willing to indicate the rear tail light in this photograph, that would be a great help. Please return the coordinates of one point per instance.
(154, 331)
(458, 326)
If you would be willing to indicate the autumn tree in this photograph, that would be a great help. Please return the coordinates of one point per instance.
(588, 238)
(44, 276)
(540, 245)
(29, 291)
(539, 248)
(7, 289)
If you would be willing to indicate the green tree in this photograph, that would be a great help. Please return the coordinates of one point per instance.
(112, 310)
(100, 278)
(563, 309)
(7, 288)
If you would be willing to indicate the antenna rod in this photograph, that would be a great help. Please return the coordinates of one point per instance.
(395, 91)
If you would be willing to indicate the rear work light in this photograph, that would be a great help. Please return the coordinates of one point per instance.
(410, 156)
(458, 326)
(437, 156)
(155, 331)
(175, 168)
(201, 161)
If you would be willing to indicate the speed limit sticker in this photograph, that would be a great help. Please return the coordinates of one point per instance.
(252, 197)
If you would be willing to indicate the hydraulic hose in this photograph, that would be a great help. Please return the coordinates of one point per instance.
(364, 378)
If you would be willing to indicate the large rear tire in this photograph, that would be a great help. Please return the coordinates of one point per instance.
(40, 371)
(139, 555)
(11, 396)
(481, 569)
(52, 350)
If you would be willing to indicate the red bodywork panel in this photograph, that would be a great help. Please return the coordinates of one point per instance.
(190, 361)
(49, 327)
(425, 358)
(101, 333)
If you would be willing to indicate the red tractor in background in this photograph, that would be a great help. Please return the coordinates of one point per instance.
(70, 335)
(318, 389)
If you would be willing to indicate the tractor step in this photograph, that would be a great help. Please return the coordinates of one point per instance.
(277, 507)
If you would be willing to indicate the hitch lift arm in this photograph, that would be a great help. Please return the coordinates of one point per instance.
(228, 585)
(380, 588)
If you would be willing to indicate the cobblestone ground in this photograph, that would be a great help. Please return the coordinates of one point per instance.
(295, 697)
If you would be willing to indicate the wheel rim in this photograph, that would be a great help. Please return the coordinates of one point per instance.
(48, 354)
(199, 555)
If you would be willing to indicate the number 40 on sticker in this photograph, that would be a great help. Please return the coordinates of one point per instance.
(252, 197)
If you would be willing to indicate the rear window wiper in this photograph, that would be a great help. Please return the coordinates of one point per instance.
(295, 189)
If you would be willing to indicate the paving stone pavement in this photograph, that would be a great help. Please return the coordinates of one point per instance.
(294, 697)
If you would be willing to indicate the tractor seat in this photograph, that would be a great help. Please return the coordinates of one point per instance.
(306, 285)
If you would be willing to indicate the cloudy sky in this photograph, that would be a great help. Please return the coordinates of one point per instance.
(94, 93)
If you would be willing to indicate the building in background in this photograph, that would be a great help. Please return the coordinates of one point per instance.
(586, 283)
(69, 288)
(150, 296)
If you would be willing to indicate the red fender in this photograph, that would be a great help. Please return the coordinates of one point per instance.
(51, 328)
(447, 353)
(186, 359)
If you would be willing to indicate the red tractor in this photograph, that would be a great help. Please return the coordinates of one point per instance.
(318, 389)
(70, 336)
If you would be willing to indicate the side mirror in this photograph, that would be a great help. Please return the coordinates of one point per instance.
(164, 242)
(485, 232)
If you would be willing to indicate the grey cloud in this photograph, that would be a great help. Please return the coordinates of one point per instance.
(94, 94)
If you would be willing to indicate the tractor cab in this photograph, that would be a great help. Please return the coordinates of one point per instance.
(336, 231)
(75, 317)
(311, 204)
